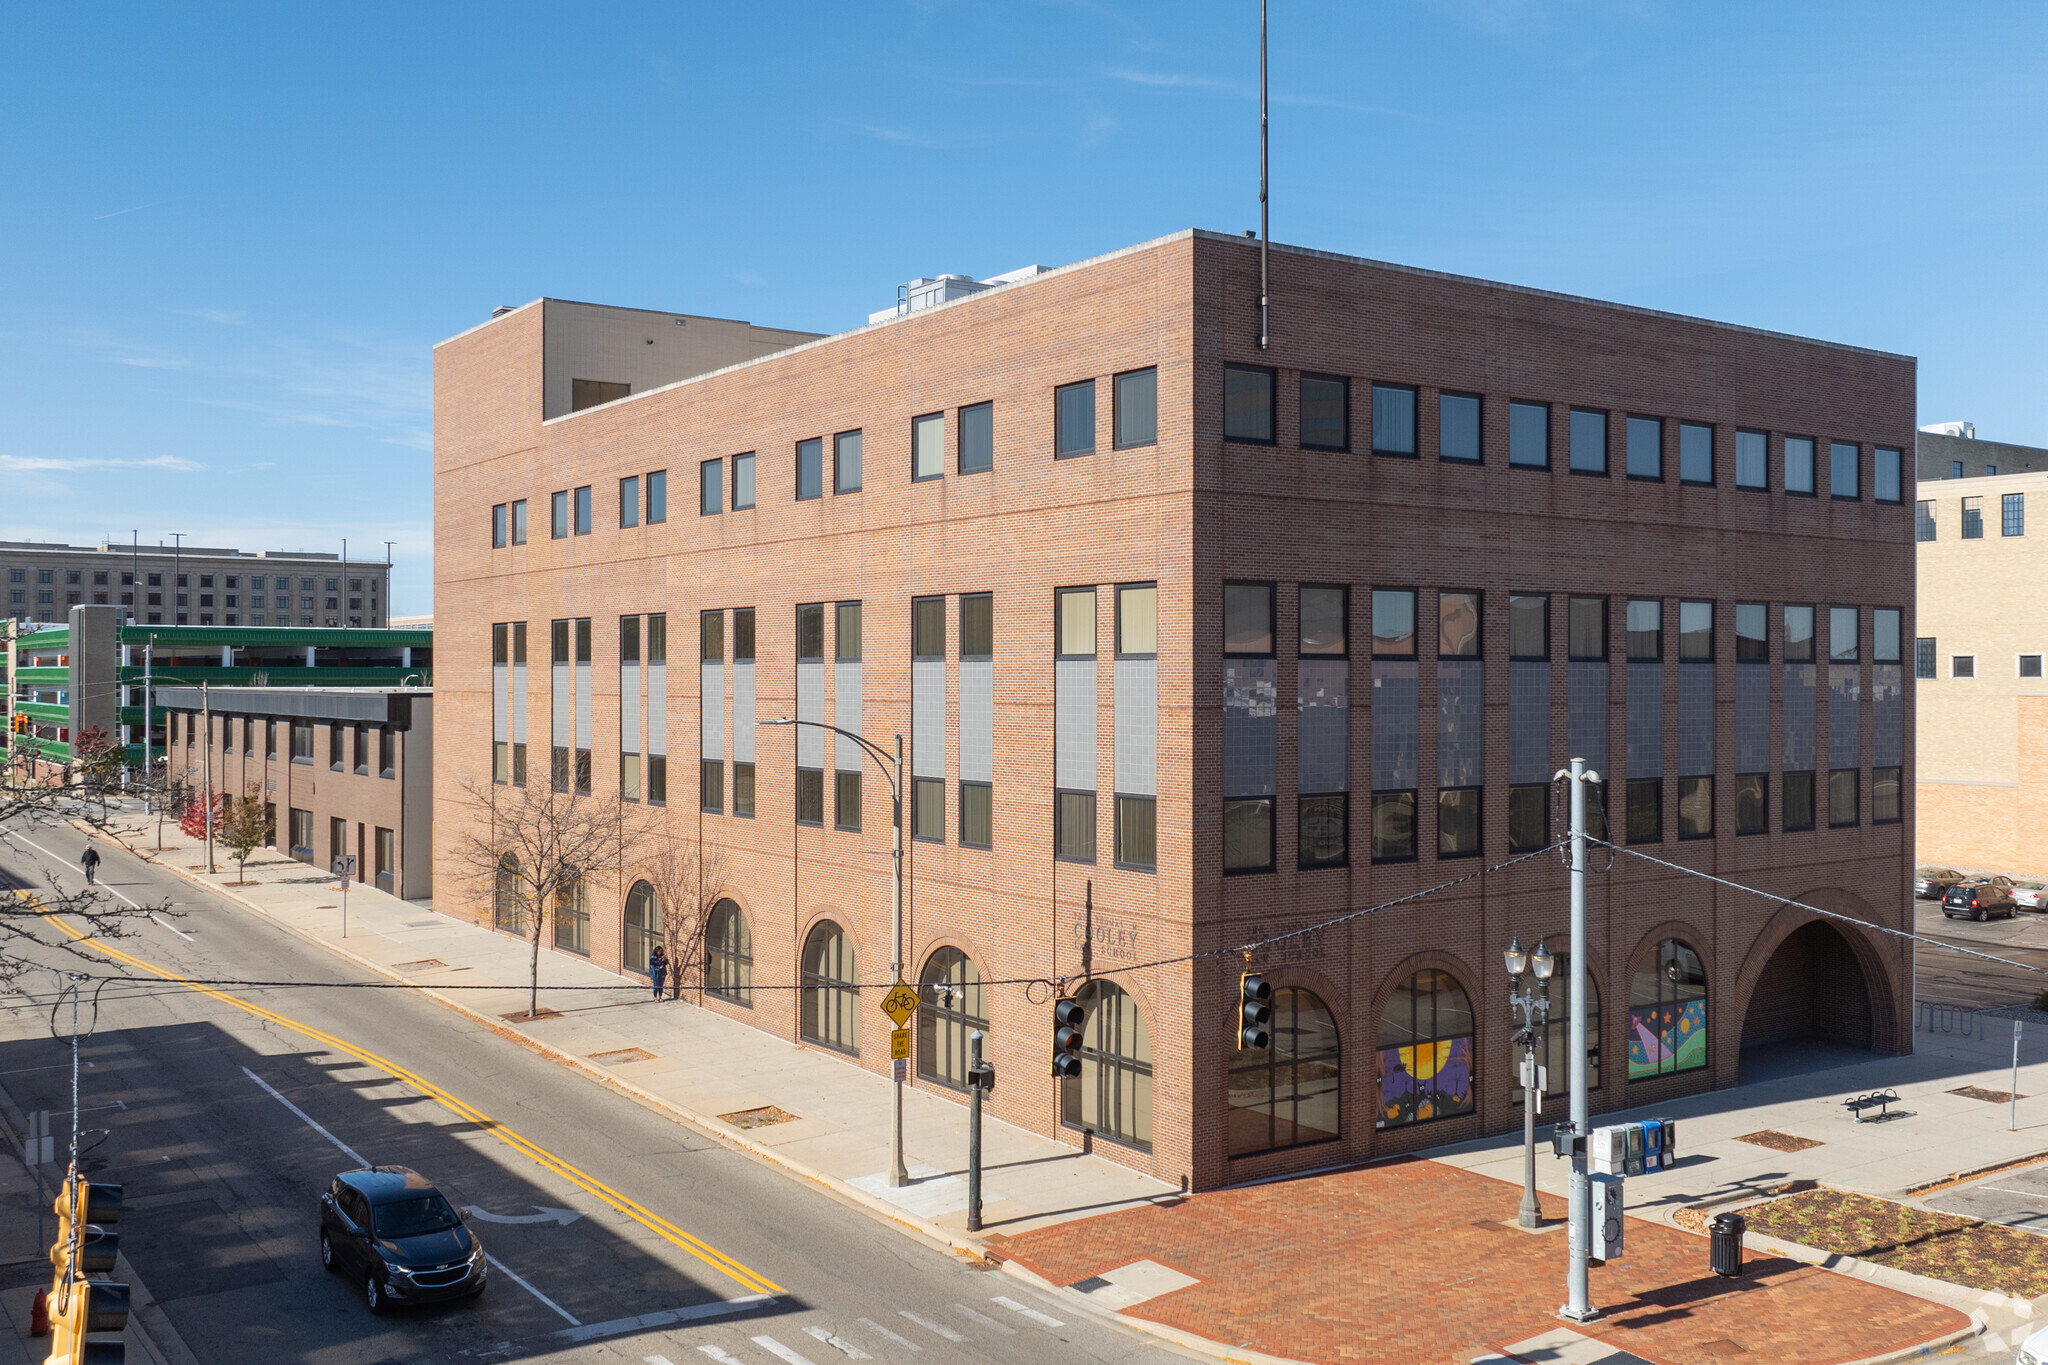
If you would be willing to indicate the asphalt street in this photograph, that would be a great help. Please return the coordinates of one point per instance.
(615, 1233)
(1956, 979)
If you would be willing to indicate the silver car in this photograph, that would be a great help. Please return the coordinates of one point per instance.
(2030, 895)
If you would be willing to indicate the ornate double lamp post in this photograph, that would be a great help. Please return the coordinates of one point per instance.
(1529, 993)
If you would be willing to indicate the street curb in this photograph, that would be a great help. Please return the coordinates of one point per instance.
(1974, 1173)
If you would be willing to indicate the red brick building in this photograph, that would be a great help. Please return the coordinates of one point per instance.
(1191, 644)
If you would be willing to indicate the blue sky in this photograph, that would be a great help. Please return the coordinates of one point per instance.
(232, 233)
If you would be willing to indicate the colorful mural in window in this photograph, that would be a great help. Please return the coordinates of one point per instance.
(1425, 1052)
(1667, 1011)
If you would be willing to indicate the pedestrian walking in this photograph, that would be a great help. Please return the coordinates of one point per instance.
(657, 968)
(90, 861)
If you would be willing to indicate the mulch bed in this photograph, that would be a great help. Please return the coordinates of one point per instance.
(1942, 1246)
(757, 1118)
(1779, 1142)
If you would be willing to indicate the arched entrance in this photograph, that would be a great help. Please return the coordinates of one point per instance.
(1811, 992)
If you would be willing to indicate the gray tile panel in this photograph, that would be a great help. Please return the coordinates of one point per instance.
(1137, 726)
(810, 705)
(1696, 719)
(1888, 715)
(1323, 740)
(1074, 724)
(1845, 716)
(928, 717)
(846, 714)
(1251, 730)
(1753, 718)
(711, 701)
(1460, 723)
(1586, 713)
(657, 709)
(977, 719)
(519, 703)
(1645, 718)
(742, 712)
(1529, 758)
(1797, 710)
(1394, 722)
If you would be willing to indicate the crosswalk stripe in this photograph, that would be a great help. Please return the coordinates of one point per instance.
(1043, 1319)
(930, 1326)
(984, 1319)
(657, 1360)
(905, 1342)
(851, 1351)
(779, 1351)
(720, 1356)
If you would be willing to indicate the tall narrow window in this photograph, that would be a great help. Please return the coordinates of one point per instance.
(1460, 744)
(1530, 761)
(1323, 751)
(583, 510)
(657, 497)
(977, 438)
(1924, 656)
(1250, 727)
(498, 527)
(1394, 739)
(1752, 459)
(1845, 459)
(1886, 476)
(1426, 1052)
(729, 955)
(1529, 435)
(710, 488)
(629, 502)
(1973, 518)
(846, 462)
(1074, 419)
(951, 1006)
(2012, 518)
(1799, 465)
(1325, 412)
(1667, 1011)
(1589, 441)
(977, 718)
(518, 532)
(928, 446)
(1695, 453)
(743, 481)
(1247, 404)
(558, 518)
(1393, 420)
(1923, 520)
(846, 653)
(1458, 428)
(1112, 1097)
(1137, 654)
(1286, 1094)
(1137, 408)
(831, 989)
(1074, 725)
(810, 468)
(1645, 448)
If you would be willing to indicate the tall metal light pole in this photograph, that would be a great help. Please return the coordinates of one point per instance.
(1265, 236)
(1578, 1305)
(177, 599)
(1533, 1000)
(898, 1176)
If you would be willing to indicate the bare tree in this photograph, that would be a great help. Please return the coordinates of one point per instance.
(245, 828)
(529, 845)
(688, 876)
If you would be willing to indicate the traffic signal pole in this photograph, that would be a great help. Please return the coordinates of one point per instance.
(1578, 1305)
(898, 1177)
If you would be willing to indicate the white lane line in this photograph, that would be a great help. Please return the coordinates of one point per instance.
(984, 1320)
(905, 1342)
(667, 1317)
(353, 1155)
(170, 926)
(840, 1344)
(930, 1326)
(657, 1360)
(714, 1352)
(1043, 1319)
(2024, 1194)
(12, 834)
(779, 1351)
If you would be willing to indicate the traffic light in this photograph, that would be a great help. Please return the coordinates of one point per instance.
(1069, 1020)
(1255, 1013)
(79, 1307)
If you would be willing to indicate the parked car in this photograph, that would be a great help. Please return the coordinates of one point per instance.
(399, 1237)
(1930, 882)
(2034, 1350)
(2030, 895)
(1979, 900)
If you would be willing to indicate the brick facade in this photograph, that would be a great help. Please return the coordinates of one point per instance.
(1188, 512)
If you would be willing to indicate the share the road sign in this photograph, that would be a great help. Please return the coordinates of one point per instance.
(899, 1044)
(900, 1003)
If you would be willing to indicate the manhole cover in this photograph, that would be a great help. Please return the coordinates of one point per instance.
(1978, 1092)
(1778, 1142)
(757, 1118)
(422, 965)
(623, 1055)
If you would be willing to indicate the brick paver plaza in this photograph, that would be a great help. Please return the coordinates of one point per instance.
(1415, 1261)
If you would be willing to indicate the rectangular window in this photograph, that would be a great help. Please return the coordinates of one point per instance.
(928, 628)
(1962, 666)
(1885, 627)
(1137, 833)
(629, 775)
(1529, 435)
(1886, 475)
(1955, 469)
(1752, 803)
(810, 468)
(977, 438)
(846, 632)
(1248, 834)
(2012, 514)
(1696, 630)
(1588, 628)
(928, 446)
(1074, 419)
(710, 488)
(1842, 641)
(336, 759)
(1645, 810)
(810, 631)
(1074, 826)
(1137, 408)
(387, 753)
(1137, 620)
(810, 796)
(1247, 404)
(1923, 521)
(498, 527)
(1248, 619)
(1457, 822)
(1589, 441)
(1393, 827)
(1458, 428)
(2030, 665)
(1325, 412)
(976, 828)
(743, 481)
(1457, 627)
(977, 625)
(743, 790)
(583, 510)
(1695, 807)
(558, 516)
(1844, 804)
(1393, 623)
(302, 741)
(270, 739)
(1645, 628)
(1528, 816)
(518, 527)
(1752, 633)
(1887, 799)
(1796, 792)
(1923, 657)
(1645, 448)
(1695, 453)
(1076, 624)
(928, 809)
(657, 497)
(1325, 617)
(1528, 626)
(1798, 635)
(1973, 518)
(1393, 420)
(629, 502)
(1323, 826)
(846, 462)
(1845, 474)
(1799, 465)
(711, 637)
(711, 785)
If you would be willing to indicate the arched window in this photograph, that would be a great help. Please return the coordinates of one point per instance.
(508, 897)
(950, 1006)
(643, 926)
(1113, 1094)
(1667, 1011)
(1553, 1040)
(1425, 1046)
(729, 954)
(1286, 1094)
(831, 996)
(572, 913)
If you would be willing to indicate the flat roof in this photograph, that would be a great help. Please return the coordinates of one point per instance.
(372, 705)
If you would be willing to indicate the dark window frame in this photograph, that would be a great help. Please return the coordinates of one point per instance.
(1479, 823)
(917, 422)
(1344, 385)
(751, 462)
(1414, 420)
(1812, 465)
(1898, 460)
(1548, 455)
(629, 502)
(1571, 440)
(1116, 409)
(1118, 841)
(1765, 437)
(1272, 436)
(1479, 401)
(1627, 441)
(1712, 479)
(1302, 861)
(1063, 452)
(814, 447)
(711, 486)
(1544, 598)
(1272, 619)
(839, 462)
(1856, 470)
(960, 437)
(1272, 836)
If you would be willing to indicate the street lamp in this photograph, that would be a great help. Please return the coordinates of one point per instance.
(898, 1177)
(1532, 998)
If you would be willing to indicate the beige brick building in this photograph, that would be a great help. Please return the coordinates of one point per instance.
(1982, 638)
(1193, 644)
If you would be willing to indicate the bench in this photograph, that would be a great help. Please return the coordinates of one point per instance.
(1876, 1099)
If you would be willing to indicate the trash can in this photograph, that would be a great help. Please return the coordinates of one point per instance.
(1726, 1239)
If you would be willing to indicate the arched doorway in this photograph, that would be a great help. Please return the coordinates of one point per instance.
(831, 989)
(1810, 1000)
(643, 926)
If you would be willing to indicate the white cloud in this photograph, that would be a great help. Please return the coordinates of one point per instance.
(1167, 78)
(27, 464)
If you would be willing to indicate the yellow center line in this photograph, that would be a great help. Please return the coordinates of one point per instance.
(653, 1222)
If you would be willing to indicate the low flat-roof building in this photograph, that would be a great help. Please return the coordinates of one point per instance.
(194, 585)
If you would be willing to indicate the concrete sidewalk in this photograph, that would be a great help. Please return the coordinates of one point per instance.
(707, 1069)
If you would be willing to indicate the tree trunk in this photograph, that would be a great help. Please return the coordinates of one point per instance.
(533, 980)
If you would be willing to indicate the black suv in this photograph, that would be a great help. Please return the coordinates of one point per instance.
(1979, 900)
(389, 1227)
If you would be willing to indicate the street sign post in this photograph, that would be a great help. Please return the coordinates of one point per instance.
(344, 868)
(900, 1003)
(899, 1044)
